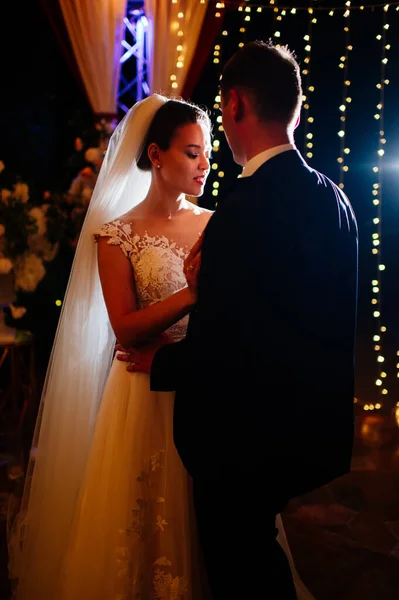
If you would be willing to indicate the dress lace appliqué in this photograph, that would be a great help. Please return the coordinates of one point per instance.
(148, 522)
(157, 266)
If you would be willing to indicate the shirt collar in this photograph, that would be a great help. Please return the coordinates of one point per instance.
(257, 161)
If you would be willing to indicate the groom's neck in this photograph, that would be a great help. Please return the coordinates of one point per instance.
(257, 140)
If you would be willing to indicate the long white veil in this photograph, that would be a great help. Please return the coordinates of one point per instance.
(76, 374)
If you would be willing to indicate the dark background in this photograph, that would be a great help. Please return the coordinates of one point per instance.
(42, 110)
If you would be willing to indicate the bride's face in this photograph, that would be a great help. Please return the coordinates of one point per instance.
(185, 165)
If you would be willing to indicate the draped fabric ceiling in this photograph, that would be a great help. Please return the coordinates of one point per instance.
(95, 28)
(91, 32)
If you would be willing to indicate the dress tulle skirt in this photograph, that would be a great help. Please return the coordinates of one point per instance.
(133, 536)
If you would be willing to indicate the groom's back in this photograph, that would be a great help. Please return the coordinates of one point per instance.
(269, 383)
(273, 337)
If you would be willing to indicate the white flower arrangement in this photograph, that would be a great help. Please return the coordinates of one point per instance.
(24, 245)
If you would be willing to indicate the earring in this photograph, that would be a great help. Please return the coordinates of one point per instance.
(158, 166)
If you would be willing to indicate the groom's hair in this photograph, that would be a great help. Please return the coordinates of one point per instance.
(270, 76)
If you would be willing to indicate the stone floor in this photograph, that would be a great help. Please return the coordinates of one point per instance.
(344, 537)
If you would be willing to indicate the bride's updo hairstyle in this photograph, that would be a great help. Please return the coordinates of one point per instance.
(172, 115)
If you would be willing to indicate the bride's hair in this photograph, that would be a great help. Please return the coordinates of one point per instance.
(172, 115)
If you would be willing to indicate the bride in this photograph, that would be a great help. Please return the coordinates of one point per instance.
(106, 512)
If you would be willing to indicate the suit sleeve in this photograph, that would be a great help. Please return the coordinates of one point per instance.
(168, 367)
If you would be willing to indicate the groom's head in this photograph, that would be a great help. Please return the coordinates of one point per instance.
(261, 92)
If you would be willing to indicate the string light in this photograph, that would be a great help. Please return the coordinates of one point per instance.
(272, 4)
(278, 17)
(243, 28)
(377, 203)
(216, 173)
(177, 27)
(309, 89)
(215, 151)
(346, 99)
(219, 7)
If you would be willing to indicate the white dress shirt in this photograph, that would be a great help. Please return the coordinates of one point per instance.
(257, 161)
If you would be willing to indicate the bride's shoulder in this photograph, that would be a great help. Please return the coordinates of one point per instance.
(204, 214)
(118, 231)
(113, 227)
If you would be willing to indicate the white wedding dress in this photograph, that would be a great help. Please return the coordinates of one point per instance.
(133, 534)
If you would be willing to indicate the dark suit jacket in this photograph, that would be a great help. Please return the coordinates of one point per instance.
(265, 377)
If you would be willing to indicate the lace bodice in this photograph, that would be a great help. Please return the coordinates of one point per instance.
(157, 267)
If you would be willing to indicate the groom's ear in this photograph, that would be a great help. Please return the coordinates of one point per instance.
(237, 105)
(298, 120)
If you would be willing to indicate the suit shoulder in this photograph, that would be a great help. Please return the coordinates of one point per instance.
(338, 191)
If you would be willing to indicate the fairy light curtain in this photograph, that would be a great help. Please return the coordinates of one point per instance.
(341, 152)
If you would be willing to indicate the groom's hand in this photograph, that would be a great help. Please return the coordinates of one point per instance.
(137, 361)
(192, 265)
(140, 358)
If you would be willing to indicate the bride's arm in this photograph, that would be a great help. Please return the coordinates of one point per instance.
(133, 327)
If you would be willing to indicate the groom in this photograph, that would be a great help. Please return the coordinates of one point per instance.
(265, 378)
